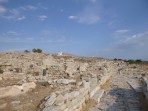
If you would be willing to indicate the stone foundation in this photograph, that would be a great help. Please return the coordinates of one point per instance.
(145, 89)
(74, 100)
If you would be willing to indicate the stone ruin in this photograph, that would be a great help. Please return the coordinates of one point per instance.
(76, 80)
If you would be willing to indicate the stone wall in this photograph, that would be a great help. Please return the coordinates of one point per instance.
(145, 89)
(32, 67)
(74, 99)
(74, 80)
(37, 67)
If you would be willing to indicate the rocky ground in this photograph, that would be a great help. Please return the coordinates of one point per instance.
(25, 102)
(70, 83)
(119, 96)
(122, 93)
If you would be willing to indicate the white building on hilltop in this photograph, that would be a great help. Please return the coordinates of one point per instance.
(60, 53)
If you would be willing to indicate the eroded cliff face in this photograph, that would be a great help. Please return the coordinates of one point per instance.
(68, 83)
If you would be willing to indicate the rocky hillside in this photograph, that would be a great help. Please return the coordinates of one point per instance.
(52, 82)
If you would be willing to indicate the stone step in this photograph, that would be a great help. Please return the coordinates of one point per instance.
(93, 90)
(135, 84)
(98, 95)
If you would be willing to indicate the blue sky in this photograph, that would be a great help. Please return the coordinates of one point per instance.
(103, 28)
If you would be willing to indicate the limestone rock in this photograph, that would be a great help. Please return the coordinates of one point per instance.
(65, 81)
(71, 95)
(98, 95)
(50, 99)
(30, 85)
(50, 81)
(59, 100)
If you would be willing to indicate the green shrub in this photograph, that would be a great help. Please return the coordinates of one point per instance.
(37, 50)
(138, 61)
(26, 51)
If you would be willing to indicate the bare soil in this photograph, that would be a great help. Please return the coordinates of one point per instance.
(26, 102)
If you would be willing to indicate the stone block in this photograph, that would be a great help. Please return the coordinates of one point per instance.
(93, 91)
(27, 86)
(71, 95)
(50, 99)
(97, 96)
(59, 100)
(135, 84)
(65, 81)
(104, 79)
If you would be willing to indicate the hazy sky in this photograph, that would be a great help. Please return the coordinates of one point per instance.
(105, 28)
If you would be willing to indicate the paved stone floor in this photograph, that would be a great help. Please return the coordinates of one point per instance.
(119, 96)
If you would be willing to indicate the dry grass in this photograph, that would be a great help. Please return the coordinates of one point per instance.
(106, 85)
(89, 104)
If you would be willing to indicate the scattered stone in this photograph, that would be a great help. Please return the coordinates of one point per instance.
(74, 80)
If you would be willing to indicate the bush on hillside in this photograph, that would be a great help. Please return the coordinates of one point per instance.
(37, 50)
(26, 51)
